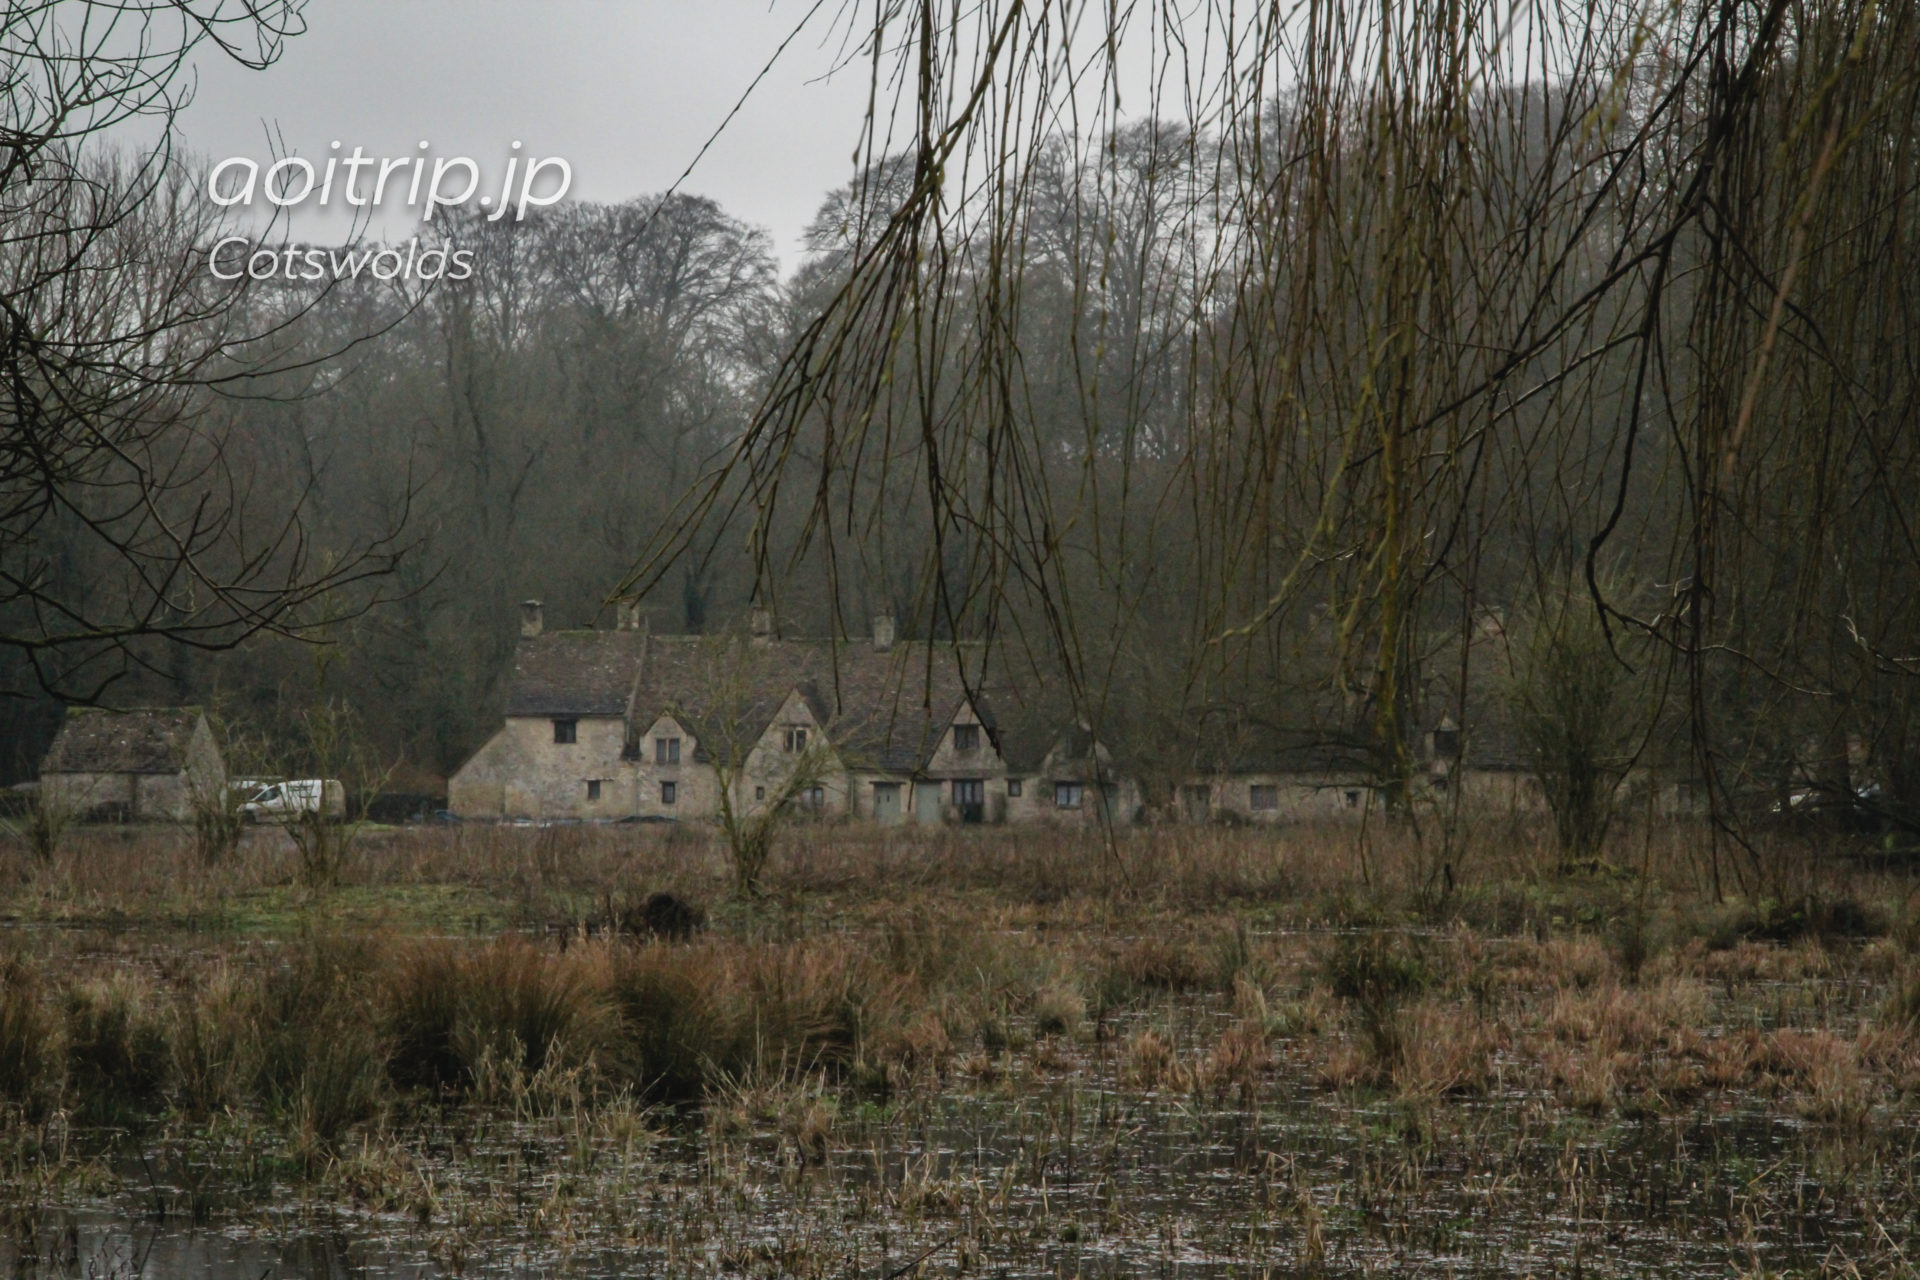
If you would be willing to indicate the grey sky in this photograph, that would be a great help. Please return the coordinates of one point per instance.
(626, 92)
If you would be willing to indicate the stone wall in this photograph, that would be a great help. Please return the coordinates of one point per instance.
(523, 773)
(139, 797)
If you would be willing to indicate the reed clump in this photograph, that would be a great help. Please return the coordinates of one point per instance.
(449, 1009)
(333, 1031)
(116, 1047)
(29, 1038)
(321, 1059)
(1375, 973)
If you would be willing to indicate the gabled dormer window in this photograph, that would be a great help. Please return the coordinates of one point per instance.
(966, 739)
(796, 739)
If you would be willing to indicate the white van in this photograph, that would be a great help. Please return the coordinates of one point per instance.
(279, 801)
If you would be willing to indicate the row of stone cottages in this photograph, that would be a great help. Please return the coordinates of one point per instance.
(627, 724)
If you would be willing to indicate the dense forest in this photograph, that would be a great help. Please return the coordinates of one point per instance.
(1254, 415)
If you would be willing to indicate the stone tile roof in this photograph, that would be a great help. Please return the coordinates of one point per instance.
(882, 709)
(151, 740)
(574, 673)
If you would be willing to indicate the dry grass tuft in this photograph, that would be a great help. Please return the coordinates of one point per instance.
(508, 1004)
(1446, 1053)
(214, 1044)
(1237, 1061)
(116, 1047)
(1058, 1009)
(30, 1046)
(1153, 1063)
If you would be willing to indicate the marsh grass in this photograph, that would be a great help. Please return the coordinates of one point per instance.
(405, 1073)
(507, 1003)
(116, 1047)
(213, 1043)
(1376, 973)
(29, 1037)
(321, 1059)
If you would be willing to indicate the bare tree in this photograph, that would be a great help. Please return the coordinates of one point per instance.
(760, 787)
(126, 521)
(1582, 713)
(1406, 309)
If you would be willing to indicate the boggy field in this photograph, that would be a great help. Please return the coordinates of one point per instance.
(1190, 1053)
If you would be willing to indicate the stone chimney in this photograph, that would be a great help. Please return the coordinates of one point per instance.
(883, 631)
(761, 623)
(627, 613)
(530, 620)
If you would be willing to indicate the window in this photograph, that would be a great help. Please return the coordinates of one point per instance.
(566, 731)
(812, 799)
(1067, 795)
(1446, 744)
(1263, 797)
(759, 793)
(1013, 787)
(669, 792)
(966, 739)
(796, 740)
(969, 791)
(666, 751)
(593, 788)
(1353, 799)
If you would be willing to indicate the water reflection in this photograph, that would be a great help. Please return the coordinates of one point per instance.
(80, 1245)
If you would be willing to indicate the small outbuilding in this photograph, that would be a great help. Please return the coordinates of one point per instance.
(137, 766)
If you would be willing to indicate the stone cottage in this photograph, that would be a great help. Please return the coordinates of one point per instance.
(136, 766)
(625, 724)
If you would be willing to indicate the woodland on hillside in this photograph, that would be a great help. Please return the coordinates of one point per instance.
(1243, 410)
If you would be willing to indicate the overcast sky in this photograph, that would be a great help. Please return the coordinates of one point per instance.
(625, 92)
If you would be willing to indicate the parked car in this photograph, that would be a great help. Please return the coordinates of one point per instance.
(280, 801)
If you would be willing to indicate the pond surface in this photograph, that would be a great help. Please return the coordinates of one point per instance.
(1032, 1176)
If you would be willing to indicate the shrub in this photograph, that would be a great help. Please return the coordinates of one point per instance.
(1634, 938)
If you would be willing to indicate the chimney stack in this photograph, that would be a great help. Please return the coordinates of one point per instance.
(628, 615)
(530, 621)
(762, 624)
(883, 631)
